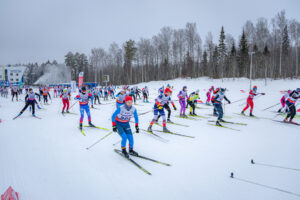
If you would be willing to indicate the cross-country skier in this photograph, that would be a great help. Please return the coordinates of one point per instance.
(45, 95)
(121, 98)
(213, 97)
(290, 104)
(120, 123)
(218, 105)
(84, 98)
(208, 94)
(65, 99)
(145, 94)
(14, 92)
(167, 98)
(161, 90)
(30, 101)
(160, 102)
(250, 98)
(283, 100)
(193, 101)
(96, 96)
(181, 96)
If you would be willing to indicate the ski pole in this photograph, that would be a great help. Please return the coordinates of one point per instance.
(117, 143)
(236, 101)
(276, 166)
(73, 104)
(262, 185)
(99, 140)
(271, 106)
(260, 95)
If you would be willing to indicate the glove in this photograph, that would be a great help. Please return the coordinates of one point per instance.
(159, 107)
(137, 130)
(229, 102)
(263, 93)
(115, 129)
(174, 107)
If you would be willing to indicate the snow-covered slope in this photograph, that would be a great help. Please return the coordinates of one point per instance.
(59, 73)
(47, 158)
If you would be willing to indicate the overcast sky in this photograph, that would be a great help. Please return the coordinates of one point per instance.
(38, 30)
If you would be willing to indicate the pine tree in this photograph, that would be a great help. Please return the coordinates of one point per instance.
(130, 51)
(204, 63)
(243, 58)
(215, 62)
(222, 52)
(285, 42)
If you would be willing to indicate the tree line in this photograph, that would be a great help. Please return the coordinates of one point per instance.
(174, 53)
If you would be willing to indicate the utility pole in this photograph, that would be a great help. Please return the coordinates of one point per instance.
(251, 53)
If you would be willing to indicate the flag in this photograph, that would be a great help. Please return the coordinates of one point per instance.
(10, 194)
(80, 79)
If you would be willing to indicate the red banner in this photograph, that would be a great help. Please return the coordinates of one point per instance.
(80, 79)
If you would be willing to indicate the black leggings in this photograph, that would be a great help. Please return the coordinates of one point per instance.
(167, 107)
(29, 104)
(97, 98)
(192, 104)
(291, 110)
(14, 94)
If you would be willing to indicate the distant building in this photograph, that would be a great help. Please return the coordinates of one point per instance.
(12, 75)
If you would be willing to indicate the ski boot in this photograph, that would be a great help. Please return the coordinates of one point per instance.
(149, 129)
(221, 120)
(92, 106)
(67, 111)
(218, 123)
(132, 152)
(63, 112)
(242, 113)
(184, 115)
(251, 115)
(124, 152)
(91, 125)
(80, 126)
(279, 111)
(166, 130)
(168, 120)
(292, 122)
(33, 115)
(286, 120)
(195, 114)
(191, 113)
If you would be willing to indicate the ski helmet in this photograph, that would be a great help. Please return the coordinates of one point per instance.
(65, 90)
(223, 89)
(197, 91)
(184, 87)
(83, 88)
(254, 87)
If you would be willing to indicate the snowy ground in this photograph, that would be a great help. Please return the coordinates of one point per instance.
(47, 158)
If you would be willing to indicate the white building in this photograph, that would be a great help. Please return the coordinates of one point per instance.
(12, 74)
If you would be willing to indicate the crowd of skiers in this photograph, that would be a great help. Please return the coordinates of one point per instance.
(127, 97)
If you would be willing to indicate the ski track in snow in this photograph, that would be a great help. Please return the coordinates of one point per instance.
(47, 159)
